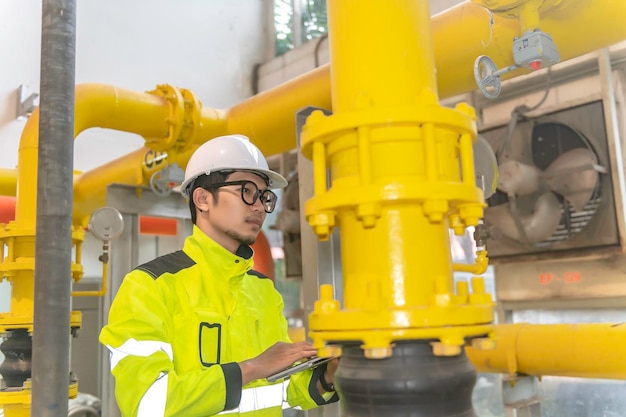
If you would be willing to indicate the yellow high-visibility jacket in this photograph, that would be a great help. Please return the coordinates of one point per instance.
(180, 323)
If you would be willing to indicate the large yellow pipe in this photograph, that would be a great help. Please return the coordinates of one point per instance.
(460, 34)
(134, 169)
(269, 117)
(572, 350)
(98, 105)
(400, 165)
(464, 32)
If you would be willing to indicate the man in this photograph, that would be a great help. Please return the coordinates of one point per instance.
(196, 332)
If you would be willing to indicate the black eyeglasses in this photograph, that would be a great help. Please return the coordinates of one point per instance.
(250, 194)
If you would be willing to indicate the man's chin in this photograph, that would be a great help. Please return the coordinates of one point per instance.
(245, 239)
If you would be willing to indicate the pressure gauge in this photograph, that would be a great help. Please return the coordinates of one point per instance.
(106, 223)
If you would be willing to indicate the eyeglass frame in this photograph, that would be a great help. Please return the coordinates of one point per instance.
(257, 195)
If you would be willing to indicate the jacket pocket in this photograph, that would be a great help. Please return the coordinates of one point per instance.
(211, 336)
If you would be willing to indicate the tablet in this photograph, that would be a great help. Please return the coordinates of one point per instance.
(308, 364)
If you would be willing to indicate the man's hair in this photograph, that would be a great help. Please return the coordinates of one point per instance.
(205, 181)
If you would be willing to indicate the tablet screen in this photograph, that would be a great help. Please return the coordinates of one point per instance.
(308, 364)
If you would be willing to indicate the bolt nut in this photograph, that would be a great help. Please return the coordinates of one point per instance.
(442, 349)
(378, 353)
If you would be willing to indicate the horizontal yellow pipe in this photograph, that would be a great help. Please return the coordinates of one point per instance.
(268, 118)
(460, 34)
(571, 350)
(134, 169)
(267, 115)
(8, 181)
(96, 105)
(464, 32)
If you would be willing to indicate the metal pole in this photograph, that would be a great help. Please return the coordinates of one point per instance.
(53, 246)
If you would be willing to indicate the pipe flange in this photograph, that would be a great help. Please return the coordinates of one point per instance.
(192, 119)
(175, 121)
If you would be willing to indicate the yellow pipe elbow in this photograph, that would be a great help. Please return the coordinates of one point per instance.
(479, 266)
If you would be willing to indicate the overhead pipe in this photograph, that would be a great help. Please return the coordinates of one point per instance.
(53, 243)
(469, 29)
(268, 117)
(460, 34)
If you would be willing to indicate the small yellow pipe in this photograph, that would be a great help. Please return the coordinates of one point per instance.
(571, 350)
(103, 287)
(479, 266)
(529, 15)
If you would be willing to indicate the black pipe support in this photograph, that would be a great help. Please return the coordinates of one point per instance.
(17, 365)
(411, 383)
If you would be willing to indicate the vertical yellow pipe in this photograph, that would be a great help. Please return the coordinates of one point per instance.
(398, 162)
(390, 67)
(400, 42)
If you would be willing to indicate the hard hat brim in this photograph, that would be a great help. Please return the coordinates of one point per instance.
(275, 179)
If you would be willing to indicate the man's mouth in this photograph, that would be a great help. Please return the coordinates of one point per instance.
(257, 222)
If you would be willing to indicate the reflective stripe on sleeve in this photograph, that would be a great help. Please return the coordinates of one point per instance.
(153, 402)
(259, 398)
(134, 347)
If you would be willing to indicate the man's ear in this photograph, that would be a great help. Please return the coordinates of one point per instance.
(202, 199)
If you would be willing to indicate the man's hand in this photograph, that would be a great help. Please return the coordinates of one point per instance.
(276, 358)
(329, 375)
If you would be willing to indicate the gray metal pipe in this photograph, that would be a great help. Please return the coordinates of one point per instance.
(53, 246)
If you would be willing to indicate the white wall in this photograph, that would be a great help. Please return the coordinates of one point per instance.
(208, 47)
(304, 58)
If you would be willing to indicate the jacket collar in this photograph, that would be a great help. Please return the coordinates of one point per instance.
(223, 263)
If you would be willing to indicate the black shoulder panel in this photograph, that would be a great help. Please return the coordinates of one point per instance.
(170, 263)
(257, 274)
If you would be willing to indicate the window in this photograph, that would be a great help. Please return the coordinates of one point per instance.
(298, 21)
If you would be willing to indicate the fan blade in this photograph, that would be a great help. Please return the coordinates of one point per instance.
(485, 167)
(573, 176)
(538, 226)
(516, 178)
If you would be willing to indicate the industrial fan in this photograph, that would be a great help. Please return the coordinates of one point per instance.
(550, 186)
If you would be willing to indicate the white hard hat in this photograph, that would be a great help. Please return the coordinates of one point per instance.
(228, 153)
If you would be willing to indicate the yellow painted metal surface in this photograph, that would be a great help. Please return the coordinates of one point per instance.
(571, 350)
(268, 117)
(466, 31)
(8, 181)
(400, 166)
(17, 402)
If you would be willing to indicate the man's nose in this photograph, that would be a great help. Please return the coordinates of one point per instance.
(258, 205)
